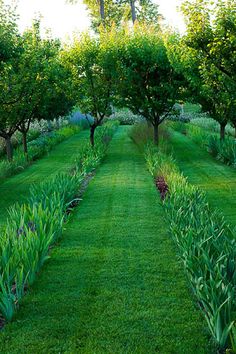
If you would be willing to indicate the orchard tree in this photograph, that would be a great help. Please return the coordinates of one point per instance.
(211, 29)
(201, 84)
(32, 84)
(206, 83)
(90, 64)
(147, 82)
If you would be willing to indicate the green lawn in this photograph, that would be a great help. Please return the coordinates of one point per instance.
(217, 179)
(16, 188)
(114, 284)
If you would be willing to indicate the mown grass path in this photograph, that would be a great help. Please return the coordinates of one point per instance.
(59, 159)
(114, 284)
(216, 178)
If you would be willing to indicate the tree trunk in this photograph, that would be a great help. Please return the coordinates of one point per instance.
(24, 141)
(222, 131)
(9, 149)
(92, 131)
(156, 134)
(102, 10)
(133, 10)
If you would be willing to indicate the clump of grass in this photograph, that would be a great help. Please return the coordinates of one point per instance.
(142, 133)
(223, 150)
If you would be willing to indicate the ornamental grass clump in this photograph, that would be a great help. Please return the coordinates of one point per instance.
(223, 150)
(206, 243)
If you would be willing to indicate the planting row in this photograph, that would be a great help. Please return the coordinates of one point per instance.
(223, 150)
(36, 149)
(206, 243)
(32, 228)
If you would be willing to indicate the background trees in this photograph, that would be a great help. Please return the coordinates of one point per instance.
(33, 82)
(203, 56)
(211, 36)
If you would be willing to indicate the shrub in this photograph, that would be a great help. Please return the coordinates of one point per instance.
(126, 117)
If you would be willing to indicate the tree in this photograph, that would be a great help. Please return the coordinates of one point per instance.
(211, 29)
(32, 85)
(204, 59)
(90, 65)
(147, 83)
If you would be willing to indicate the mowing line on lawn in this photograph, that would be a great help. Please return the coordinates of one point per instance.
(215, 178)
(16, 188)
(114, 285)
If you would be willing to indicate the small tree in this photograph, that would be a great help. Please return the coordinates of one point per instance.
(90, 65)
(208, 83)
(147, 83)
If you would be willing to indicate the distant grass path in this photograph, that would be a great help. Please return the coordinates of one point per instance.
(216, 178)
(60, 158)
(114, 284)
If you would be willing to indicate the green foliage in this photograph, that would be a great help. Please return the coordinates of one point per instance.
(145, 80)
(8, 34)
(223, 150)
(204, 56)
(33, 85)
(90, 64)
(206, 245)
